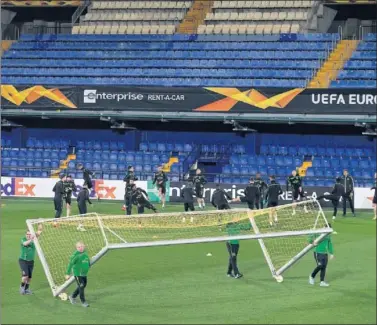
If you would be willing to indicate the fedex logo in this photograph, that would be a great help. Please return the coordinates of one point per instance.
(99, 187)
(17, 187)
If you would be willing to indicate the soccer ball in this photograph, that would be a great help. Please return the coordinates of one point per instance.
(63, 296)
(279, 278)
(55, 225)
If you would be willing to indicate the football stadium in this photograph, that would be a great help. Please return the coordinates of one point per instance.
(188, 162)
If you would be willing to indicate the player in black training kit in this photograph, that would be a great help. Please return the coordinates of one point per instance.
(160, 179)
(375, 196)
(141, 199)
(272, 198)
(187, 194)
(252, 195)
(129, 179)
(220, 199)
(336, 193)
(348, 184)
(69, 187)
(262, 186)
(87, 175)
(199, 181)
(82, 198)
(295, 183)
(59, 194)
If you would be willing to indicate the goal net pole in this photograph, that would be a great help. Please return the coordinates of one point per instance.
(282, 244)
(319, 220)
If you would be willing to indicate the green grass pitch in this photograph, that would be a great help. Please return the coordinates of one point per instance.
(180, 284)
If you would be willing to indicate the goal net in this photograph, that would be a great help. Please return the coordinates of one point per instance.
(282, 234)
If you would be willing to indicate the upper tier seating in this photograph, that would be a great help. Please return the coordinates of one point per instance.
(361, 70)
(256, 17)
(166, 60)
(133, 17)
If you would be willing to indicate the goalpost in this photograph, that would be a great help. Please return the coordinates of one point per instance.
(282, 243)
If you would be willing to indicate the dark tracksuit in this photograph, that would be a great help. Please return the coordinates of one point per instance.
(82, 197)
(58, 198)
(252, 195)
(187, 194)
(295, 182)
(128, 191)
(199, 181)
(336, 193)
(69, 187)
(128, 199)
(140, 198)
(87, 175)
(348, 184)
(262, 186)
(220, 199)
(272, 194)
(160, 178)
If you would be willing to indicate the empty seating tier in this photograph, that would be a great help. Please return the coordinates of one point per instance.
(256, 17)
(133, 17)
(361, 70)
(167, 60)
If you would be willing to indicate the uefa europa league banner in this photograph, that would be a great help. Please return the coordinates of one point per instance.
(192, 99)
(114, 190)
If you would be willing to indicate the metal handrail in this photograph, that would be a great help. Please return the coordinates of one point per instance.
(79, 11)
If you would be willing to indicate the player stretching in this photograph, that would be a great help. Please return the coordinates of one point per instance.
(187, 194)
(87, 175)
(295, 182)
(58, 189)
(160, 178)
(321, 256)
(141, 199)
(336, 193)
(129, 179)
(26, 260)
(375, 196)
(199, 181)
(220, 199)
(234, 228)
(69, 187)
(272, 198)
(79, 265)
(262, 186)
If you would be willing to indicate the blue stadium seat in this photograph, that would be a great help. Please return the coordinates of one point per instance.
(143, 146)
(264, 150)
(235, 170)
(226, 169)
(320, 182)
(310, 172)
(243, 160)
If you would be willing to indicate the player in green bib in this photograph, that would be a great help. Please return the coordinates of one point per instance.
(323, 252)
(234, 228)
(79, 265)
(26, 260)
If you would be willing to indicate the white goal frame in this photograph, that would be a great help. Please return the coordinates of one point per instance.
(56, 290)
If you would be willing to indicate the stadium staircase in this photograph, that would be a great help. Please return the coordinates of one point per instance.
(304, 167)
(5, 45)
(334, 64)
(63, 166)
(195, 16)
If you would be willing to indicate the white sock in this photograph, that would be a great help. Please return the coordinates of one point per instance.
(200, 205)
(203, 204)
